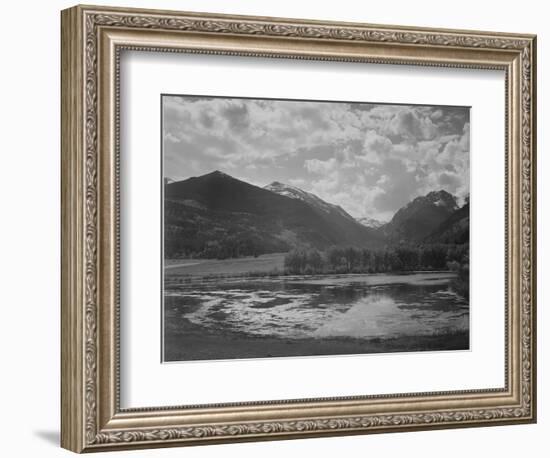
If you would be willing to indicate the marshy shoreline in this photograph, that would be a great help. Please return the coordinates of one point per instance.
(189, 342)
(240, 317)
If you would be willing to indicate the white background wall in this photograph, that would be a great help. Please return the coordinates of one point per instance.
(29, 229)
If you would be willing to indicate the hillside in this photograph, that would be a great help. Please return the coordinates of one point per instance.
(455, 229)
(420, 217)
(333, 215)
(216, 215)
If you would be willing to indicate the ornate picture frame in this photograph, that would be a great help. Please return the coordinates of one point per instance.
(93, 39)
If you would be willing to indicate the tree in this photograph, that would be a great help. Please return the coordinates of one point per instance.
(314, 261)
(367, 261)
(351, 257)
(335, 257)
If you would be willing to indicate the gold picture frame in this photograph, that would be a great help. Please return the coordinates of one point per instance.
(92, 39)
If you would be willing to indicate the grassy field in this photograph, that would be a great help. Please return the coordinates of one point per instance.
(235, 266)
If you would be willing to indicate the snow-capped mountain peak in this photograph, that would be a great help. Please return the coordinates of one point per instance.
(287, 190)
(296, 193)
(370, 222)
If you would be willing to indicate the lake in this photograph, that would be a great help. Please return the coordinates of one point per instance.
(313, 315)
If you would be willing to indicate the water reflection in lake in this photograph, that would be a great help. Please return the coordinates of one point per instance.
(356, 306)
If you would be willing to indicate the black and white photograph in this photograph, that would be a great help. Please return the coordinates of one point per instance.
(309, 228)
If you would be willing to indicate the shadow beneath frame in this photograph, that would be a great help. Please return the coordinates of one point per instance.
(52, 437)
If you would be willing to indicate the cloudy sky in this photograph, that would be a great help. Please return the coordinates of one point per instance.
(369, 158)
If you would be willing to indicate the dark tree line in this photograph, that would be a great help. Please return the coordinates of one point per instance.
(225, 247)
(195, 233)
(461, 284)
(363, 260)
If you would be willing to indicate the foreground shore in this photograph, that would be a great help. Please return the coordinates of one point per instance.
(262, 317)
(185, 341)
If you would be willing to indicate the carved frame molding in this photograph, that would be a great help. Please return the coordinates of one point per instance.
(92, 39)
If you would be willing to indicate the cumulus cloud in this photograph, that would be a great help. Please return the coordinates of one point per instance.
(376, 147)
(409, 125)
(370, 159)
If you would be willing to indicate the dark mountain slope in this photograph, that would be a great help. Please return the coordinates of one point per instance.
(455, 229)
(419, 218)
(216, 215)
(220, 192)
(333, 215)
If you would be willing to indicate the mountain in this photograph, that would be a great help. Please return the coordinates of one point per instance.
(455, 229)
(350, 231)
(370, 222)
(311, 199)
(420, 217)
(216, 215)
